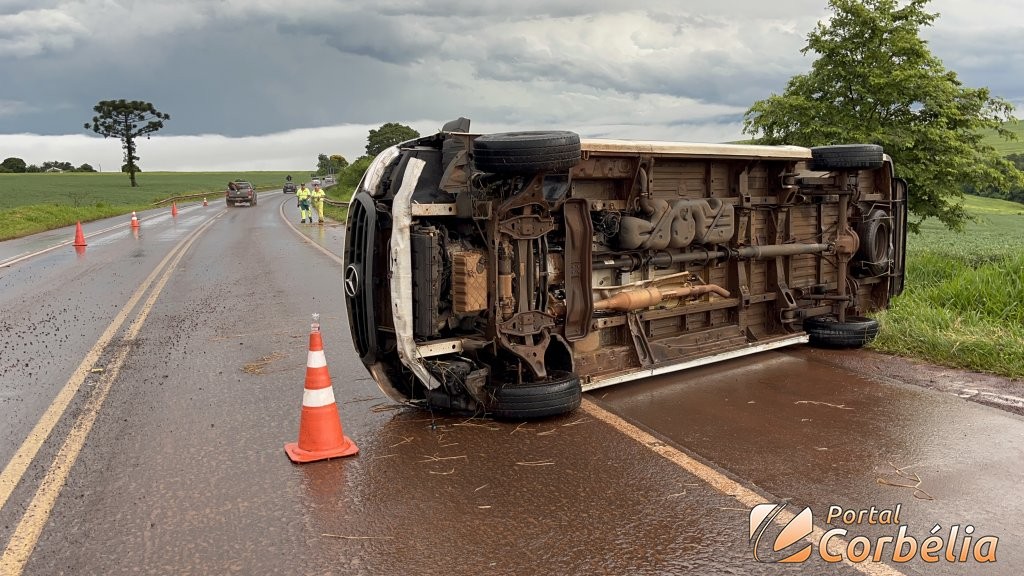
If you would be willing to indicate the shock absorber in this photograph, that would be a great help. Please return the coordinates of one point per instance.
(506, 298)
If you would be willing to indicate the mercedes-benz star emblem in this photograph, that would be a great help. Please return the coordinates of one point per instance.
(351, 280)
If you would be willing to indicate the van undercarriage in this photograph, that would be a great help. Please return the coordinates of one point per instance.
(507, 273)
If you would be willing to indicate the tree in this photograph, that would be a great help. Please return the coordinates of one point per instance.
(332, 164)
(13, 164)
(1014, 193)
(338, 162)
(127, 120)
(875, 81)
(86, 168)
(388, 135)
(130, 167)
(62, 166)
(352, 173)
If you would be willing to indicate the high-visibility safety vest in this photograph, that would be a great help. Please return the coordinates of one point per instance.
(302, 193)
(318, 194)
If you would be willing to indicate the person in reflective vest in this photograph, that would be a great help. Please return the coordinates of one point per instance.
(317, 196)
(302, 197)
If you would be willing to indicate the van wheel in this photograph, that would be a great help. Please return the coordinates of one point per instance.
(560, 393)
(525, 152)
(876, 245)
(829, 332)
(846, 157)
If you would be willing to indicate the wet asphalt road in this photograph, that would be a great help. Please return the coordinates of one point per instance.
(182, 470)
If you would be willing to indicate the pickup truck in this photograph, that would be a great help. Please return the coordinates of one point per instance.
(240, 192)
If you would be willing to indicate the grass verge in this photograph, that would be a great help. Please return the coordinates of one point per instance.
(341, 193)
(963, 305)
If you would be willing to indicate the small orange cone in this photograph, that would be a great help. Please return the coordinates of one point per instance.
(79, 237)
(204, 202)
(320, 432)
(174, 209)
(135, 220)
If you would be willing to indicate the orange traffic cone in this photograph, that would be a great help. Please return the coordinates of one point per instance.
(135, 220)
(79, 237)
(174, 209)
(320, 432)
(204, 202)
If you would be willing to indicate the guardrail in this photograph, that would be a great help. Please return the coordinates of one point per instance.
(178, 198)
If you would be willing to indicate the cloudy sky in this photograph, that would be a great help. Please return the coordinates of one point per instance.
(269, 84)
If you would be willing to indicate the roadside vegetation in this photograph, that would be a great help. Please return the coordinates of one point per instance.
(346, 186)
(31, 203)
(963, 305)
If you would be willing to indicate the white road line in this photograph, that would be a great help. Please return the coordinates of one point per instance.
(21, 258)
(316, 245)
(23, 541)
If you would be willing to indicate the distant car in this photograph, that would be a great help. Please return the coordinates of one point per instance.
(240, 192)
(328, 180)
(290, 188)
(314, 182)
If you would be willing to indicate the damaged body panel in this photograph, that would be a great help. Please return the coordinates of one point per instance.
(506, 273)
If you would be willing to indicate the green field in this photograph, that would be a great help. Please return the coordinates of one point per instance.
(84, 188)
(964, 300)
(31, 203)
(1006, 147)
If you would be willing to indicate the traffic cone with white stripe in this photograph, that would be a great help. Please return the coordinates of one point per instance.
(320, 432)
(135, 220)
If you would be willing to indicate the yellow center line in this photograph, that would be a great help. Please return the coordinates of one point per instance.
(722, 483)
(27, 533)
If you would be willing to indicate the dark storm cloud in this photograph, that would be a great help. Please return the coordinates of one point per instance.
(492, 10)
(17, 6)
(389, 40)
(661, 68)
(711, 76)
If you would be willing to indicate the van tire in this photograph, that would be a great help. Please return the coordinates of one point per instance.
(876, 243)
(558, 394)
(829, 332)
(846, 157)
(526, 152)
